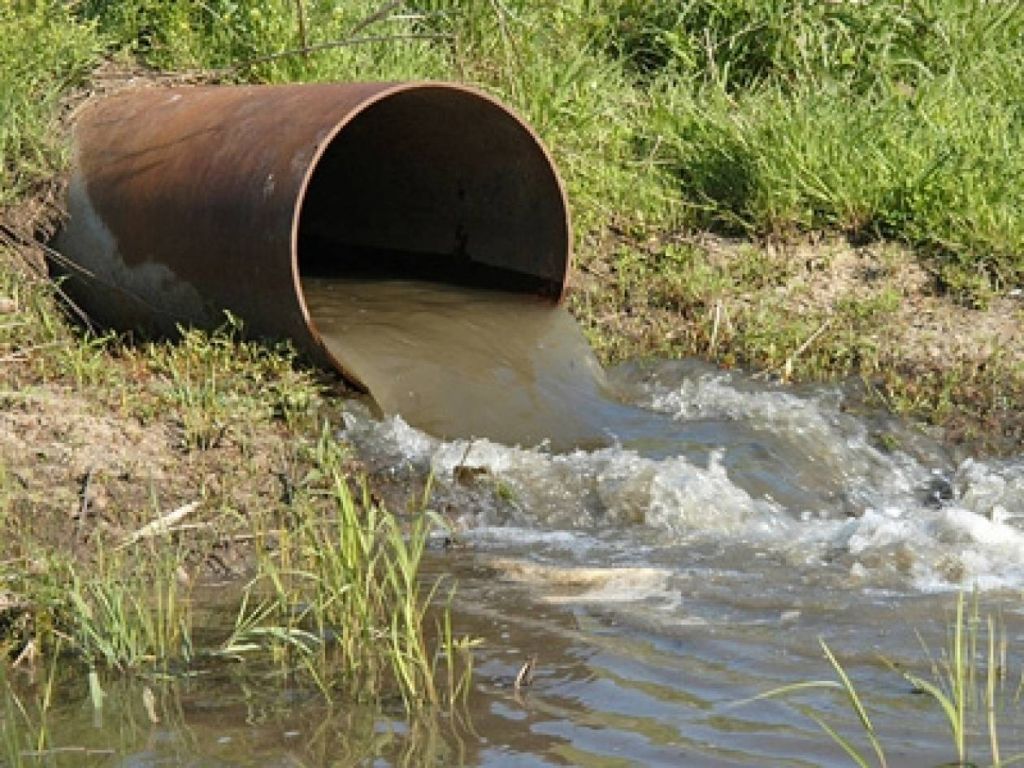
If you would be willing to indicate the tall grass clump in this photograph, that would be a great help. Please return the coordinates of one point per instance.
(339, 597)
(44, 53)
(129, 610)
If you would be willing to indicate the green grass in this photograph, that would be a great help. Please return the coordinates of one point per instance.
(336, 599)
(218, 384)
(128, 610)
(967, 684)
(45, 52)
(338, 592)
(336, 596)
(354, 578)
(885, 119)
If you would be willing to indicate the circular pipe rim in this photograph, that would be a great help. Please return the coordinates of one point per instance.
(329, 139)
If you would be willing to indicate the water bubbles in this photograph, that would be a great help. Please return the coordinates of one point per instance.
(756, 474)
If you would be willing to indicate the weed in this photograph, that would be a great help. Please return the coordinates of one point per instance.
(130, 611)
(219, 384)
(958, 687)
(344, 592)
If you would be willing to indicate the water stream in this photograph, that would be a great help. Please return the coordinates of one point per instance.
(664, 578)
(666, 539)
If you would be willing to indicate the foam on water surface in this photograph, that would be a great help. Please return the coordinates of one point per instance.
(665, 460)
(871, 516)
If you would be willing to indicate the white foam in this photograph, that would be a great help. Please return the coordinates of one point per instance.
(831, 440)
(880, 519)
(561, 585)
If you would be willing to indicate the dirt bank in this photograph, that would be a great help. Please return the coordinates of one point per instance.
(816, 309)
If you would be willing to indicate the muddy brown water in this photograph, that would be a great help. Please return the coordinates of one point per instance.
(462, 362)
(667, 540)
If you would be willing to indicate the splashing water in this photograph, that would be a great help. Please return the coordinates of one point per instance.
(672, 451)
(877, 516)
(458, 362)
(687, 518)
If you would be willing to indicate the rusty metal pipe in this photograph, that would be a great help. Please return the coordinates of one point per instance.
(186, 202)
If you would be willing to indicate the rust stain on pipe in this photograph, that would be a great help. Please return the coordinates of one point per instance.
(185, 202)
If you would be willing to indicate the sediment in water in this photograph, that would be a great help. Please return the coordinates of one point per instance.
(459, 361)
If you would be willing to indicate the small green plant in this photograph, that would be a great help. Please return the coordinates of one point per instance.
(219, 384)
(343, 591)
(844, 685)
(86, 359)
(127, 610)
(958, 688)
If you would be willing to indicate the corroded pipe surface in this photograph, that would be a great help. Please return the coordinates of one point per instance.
(187, 202)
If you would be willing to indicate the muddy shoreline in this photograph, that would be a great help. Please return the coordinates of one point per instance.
(868, 316)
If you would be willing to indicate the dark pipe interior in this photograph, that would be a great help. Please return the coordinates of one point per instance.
(436, 184)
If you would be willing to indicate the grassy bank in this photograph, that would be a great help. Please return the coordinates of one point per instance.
(815, 190)
(879, 120)
(133, 474)
(886, 127)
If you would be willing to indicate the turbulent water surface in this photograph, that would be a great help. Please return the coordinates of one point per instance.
(663, 579)
(666, 540)
(682, 544)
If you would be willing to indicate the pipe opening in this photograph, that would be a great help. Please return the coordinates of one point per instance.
(436, 183)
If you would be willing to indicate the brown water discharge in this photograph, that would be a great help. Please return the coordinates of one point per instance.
(459, 361)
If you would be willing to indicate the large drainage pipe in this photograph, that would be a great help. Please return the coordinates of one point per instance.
(186, 202)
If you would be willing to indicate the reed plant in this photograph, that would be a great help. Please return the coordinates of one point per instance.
(129, 610)
(339, 597)
(967, 684)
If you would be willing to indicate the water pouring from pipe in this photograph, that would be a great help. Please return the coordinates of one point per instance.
(277, 203)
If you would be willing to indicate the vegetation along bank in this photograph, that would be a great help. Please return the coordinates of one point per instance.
(819, 191)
